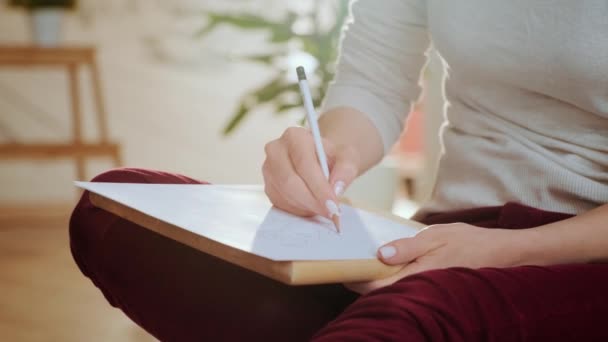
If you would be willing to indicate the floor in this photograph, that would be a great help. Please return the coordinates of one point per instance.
(43, 295)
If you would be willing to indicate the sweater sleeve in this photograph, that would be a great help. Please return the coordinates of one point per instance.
(382, 53)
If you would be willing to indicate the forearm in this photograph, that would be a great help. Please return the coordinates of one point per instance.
(580, 239)
(381, 55)
(347, 127)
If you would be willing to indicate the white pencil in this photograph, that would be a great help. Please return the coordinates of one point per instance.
(311, 117)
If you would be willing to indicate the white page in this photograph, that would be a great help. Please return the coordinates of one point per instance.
(242, 217)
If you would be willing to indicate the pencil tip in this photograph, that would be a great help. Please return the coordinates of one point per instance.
(336, 220)
(301, 73)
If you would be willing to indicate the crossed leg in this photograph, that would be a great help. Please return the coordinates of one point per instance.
(528, 303)
(180, 294)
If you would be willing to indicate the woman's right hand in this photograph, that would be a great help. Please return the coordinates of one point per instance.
(293, 178)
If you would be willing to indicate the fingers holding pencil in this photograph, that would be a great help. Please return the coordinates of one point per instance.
(343, 169)
(306, 165)
(284, 186)
(294, 179)
(308, 162)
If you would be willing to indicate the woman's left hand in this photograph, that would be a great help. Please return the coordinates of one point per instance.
(448, 245)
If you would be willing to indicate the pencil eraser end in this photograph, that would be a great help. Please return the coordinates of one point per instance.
(301, 73)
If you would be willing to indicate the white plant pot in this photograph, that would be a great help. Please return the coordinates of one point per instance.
(46, 26)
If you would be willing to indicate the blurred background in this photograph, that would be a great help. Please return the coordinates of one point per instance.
(189, 86)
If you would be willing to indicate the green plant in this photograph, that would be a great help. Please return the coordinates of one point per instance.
(35, 4)
(320, 43)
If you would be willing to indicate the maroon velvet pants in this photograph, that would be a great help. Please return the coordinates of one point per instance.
(180, 294)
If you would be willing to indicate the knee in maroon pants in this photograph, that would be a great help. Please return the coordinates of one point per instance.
(89, 224)
(526, 303)
(180, 294)
(422, 307)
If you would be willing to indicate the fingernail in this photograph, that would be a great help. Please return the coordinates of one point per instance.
(332, 207)
(388, 252)
(339, 188)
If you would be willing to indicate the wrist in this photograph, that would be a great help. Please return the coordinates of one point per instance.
(530, 248)
(514, 248)
(350, 129)
(547, 245)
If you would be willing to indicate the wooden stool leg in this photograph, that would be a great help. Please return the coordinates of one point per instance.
(76, 119)
(117, 157)
(102, 122)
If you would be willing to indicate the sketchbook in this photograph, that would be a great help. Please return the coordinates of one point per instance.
(239, 224)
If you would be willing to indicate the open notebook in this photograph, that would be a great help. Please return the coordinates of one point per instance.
(239, 225)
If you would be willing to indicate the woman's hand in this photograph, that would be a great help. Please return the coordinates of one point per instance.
(293, 177)
(449, 245)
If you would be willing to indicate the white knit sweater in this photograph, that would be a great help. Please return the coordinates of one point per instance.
(527, 88)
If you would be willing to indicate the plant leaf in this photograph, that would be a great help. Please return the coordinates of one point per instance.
(264, 59)
(272, 89)
(236, 118)
(321, 44)
(284, 107)
(243, 20)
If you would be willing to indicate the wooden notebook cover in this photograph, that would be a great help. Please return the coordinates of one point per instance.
(288, 272)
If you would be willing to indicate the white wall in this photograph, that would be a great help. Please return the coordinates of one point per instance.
(167, 116)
